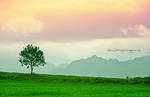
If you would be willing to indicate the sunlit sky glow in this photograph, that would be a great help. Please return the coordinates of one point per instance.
(75, 22)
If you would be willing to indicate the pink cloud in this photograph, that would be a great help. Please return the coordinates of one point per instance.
(139, 30)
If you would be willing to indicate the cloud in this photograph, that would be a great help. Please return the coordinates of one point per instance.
(137, 30)
(22, 25)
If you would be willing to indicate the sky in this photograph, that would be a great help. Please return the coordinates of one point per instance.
(67, 30)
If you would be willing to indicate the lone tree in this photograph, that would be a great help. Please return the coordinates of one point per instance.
(31, 56)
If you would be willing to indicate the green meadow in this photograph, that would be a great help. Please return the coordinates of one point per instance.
(42, 85)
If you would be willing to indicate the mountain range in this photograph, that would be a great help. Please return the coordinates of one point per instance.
(97, 66)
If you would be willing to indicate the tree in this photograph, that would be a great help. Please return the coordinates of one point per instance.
(31, 56)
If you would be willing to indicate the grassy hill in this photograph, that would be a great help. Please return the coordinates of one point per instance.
(63, 78)
(42, 85)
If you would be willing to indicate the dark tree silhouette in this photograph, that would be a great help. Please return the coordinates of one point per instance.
(31, 56)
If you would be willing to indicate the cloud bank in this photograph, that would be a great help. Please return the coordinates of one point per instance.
(136, 30)
(22, 25)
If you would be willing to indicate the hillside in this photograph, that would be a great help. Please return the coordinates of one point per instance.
(97, 66)
(76, 79)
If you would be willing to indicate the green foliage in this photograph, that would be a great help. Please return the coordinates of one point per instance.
(31, 56)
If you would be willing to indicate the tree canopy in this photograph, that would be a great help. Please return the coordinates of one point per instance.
(31, 56)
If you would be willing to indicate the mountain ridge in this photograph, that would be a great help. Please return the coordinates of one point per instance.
(97, 66)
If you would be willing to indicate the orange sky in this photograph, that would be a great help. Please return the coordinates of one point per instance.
(71, 19)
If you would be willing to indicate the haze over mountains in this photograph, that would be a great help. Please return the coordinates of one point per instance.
(97, 66)
(91, 66)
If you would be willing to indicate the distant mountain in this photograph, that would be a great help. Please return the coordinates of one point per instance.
(97, 66)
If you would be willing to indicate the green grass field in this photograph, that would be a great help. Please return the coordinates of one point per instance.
(25, 85)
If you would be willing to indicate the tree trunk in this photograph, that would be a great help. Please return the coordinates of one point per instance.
(31, 69)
